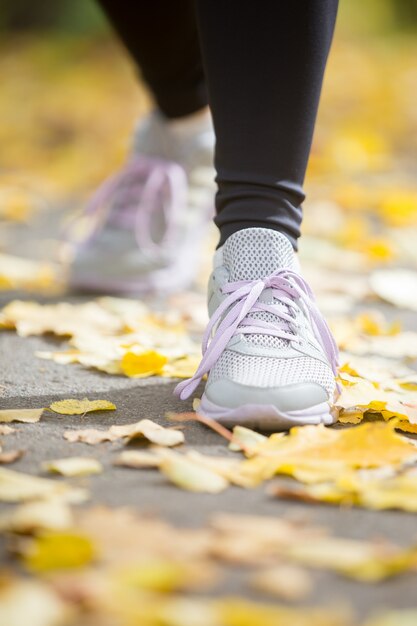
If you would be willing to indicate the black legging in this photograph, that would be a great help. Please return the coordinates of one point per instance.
(262, 64)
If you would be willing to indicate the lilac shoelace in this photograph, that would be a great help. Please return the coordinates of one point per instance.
(287, 286)
(131, 197)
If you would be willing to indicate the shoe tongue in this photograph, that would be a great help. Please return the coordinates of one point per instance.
(257, 252)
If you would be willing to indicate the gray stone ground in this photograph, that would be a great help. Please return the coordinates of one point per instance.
(30, 382)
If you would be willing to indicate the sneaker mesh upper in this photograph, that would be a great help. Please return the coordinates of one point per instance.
(255, 253)
(260, 371)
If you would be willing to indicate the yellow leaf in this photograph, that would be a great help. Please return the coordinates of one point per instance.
(35, 516)
(28, 416)
(245, 439)
(406, 617)
(320, 453)
(283, 581)
(19, 487)
(364, 561)
(399, 207)
(79, 407)
(182, 368)
(24, 602)
(140, 365)
(350, 416)
(190, 475)
(137, 459)
(73, 466)
(362, 489)
(144, 428)
(58, 550)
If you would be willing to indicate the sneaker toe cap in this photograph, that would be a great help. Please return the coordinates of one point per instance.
(292, 397)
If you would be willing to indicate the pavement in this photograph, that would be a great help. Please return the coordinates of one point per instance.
(26, 381)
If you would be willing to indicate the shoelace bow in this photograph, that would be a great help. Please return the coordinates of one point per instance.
(142, 187)
(243, 299)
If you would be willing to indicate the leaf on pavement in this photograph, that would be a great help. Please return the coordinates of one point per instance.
(147, 363)
(155, 433)
(365, 488)
(35, 516)
(79, 407)
(54, 550)
(6, 430)
(288, 582)
(182, 368)
(20, 487)
(73, 466)
(10, 456)
(191, 475)
(405, 617)
(245, 439)
(24, 602)
(316, 453)
(397, 286)
(137, 459)
(29, 416)
(364, 561)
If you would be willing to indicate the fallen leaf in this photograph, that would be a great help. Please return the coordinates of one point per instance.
(283, 581)
(29, 416)
(361, 560)
(54, 550)
(363, 488)
(62, 319)
(155, 433)
(397, 286)
(240, 612)
(245, 439)
(35, 516)
(11, 456)
(182, 368)
(144, 428)
(147, 363)
(137, 459)
(20, 487)
(73, 466)
(405, 617)
(24, 602)
(79, 407)
(191, 475)
(6, 430)
(91, 436)
(317, 453)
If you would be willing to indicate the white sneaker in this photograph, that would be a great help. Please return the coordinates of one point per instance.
(270, 355)
(142, 229)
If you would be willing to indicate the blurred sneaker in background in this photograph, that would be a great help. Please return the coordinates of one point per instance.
(143, 228)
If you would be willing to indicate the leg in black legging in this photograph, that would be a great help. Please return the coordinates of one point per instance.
(264, 64)
(163, 40)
